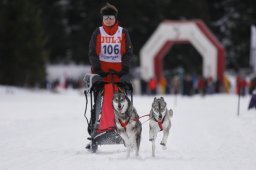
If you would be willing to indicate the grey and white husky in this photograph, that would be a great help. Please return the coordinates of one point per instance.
(127, 122)
(160, 120)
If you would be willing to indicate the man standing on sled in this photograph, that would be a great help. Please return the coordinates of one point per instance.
(110, 52)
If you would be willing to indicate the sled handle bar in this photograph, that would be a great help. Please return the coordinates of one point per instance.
(124, 85)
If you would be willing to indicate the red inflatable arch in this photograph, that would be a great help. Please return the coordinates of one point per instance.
(169, 33)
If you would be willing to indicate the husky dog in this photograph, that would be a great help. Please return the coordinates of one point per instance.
(160, 120)
(127, 122)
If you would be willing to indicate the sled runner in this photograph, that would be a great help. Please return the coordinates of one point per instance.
(101, 126)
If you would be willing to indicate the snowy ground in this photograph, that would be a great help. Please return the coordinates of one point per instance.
(47, 131)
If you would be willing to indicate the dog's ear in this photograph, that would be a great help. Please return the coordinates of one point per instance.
(155, 100)
(162, 99)
(115, 94)
(120, 90)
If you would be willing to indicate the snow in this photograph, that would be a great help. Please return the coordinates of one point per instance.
(40, 130)
(72, 71)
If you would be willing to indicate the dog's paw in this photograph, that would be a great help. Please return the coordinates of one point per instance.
(88, 146)
(162, 143)
(163, 146)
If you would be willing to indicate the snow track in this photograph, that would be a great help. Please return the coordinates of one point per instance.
(46, 131)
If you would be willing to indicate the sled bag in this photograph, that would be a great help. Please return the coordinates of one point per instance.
(107, 120)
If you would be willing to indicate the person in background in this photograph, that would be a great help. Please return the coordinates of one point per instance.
(226, 84)
(252, 84)
(202, 86)
(241, 85)
(252, 103)
(163, 84)
(152, 86)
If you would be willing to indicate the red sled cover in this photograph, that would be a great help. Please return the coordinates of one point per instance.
(107, 120)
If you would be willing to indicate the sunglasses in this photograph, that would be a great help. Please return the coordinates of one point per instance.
(111, 17)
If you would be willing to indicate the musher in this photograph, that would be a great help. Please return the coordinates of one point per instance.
(110, 51)
(110, 45)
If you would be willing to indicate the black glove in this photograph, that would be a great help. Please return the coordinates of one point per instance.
(126, 78)
(101, 73)
(112, 72)
(123, 72)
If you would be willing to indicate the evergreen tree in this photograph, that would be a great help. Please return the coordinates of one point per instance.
(83, 18)
(69, 24)
(231, 21)
(244, 16)
(55, 24)
(23, 55)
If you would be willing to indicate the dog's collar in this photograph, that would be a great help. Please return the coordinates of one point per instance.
(124, 123)
(160, 122)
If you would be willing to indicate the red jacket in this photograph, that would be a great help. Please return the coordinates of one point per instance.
(98, 66)
(152, 84)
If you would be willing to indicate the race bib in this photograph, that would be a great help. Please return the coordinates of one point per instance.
(111, 46)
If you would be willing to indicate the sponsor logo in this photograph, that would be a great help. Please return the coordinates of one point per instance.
(110, 58)
(105, 39)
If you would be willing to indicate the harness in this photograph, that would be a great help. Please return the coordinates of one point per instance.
(124, 123)
(160, 122)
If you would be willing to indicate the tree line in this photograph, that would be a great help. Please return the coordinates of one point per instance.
(34, 33)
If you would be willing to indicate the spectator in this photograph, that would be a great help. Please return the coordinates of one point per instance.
(201, 85)
(152, 85)
(163, 84)
(252, 103)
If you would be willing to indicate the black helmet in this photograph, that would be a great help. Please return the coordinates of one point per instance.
(109, 9)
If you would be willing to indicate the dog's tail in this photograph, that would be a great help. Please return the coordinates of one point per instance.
(171, 112)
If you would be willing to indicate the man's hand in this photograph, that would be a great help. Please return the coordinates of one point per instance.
(102, 73)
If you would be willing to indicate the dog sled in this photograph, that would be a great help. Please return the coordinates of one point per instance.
(101, 126)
